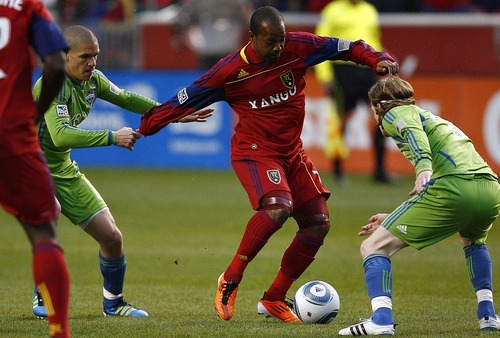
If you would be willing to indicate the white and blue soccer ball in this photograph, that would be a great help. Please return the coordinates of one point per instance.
(316, 302)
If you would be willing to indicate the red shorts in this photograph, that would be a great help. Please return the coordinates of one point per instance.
(298, 175)
(26, 188)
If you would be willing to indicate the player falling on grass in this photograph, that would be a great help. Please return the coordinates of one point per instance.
(455, 192)
(59, 131)
(26, 188)
(264, 84)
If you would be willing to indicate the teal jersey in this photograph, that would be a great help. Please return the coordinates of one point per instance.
(430, 142)
(59, 131)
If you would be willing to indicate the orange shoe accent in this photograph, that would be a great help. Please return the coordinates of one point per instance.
(277, 309)
(225, 297)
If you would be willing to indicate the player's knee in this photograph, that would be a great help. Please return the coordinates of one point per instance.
(278, 205)
(465, 241)
(316, 225)
(366, 248)
(112, 240)
(279, 216)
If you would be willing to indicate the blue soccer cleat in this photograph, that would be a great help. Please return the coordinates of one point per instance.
(124, 309)
(39, 309)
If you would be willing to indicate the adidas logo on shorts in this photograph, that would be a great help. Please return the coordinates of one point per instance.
(402, 228)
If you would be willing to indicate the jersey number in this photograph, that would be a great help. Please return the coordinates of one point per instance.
(4, 38)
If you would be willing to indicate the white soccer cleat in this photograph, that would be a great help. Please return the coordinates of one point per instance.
(368, 328)
(489, 323)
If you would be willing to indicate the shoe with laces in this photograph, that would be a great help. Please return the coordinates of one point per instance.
(39, 309)
(368, 328)
(124, 309)
(225, 297)
(281, 310)
(489, 323)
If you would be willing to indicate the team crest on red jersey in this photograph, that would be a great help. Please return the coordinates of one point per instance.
(287, 79)
(274, 176)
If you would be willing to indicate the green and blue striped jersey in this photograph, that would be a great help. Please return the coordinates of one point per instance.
(59, 131)
(430, 142)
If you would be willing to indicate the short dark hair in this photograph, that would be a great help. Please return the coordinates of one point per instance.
(264, 14)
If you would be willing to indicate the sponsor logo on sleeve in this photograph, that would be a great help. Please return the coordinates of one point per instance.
(62, 110)
(182, 96)
(343, 45)
(114, 88)
(400, 125)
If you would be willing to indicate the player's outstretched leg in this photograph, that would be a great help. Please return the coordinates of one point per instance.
(225, 297)
(113, 272)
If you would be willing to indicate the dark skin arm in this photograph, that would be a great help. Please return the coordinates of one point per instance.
(52, 80)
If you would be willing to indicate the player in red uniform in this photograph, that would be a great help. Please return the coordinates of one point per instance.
(264, 84)
(26, 189)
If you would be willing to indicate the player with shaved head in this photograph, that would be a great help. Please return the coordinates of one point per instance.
(59, 131)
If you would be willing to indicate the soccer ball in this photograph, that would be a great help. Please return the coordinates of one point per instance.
(316, 302)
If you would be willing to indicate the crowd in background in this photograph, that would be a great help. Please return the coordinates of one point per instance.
(71, 11)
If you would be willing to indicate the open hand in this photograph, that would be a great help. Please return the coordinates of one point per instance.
(375, 222)
(198, 116)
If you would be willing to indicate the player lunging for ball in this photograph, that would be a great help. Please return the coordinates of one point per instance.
(264, 84)
(455, 191)
(59, 131)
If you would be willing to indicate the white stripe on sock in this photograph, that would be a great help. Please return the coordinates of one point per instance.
(109, 295)
(484, 295)
(382, 301)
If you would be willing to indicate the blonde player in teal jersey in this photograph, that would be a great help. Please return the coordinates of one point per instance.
(455, 192)
(59, 131)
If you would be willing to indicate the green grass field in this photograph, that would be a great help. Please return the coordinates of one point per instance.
(181, 230)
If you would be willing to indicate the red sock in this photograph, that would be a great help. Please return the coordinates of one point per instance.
(296, 259)
(259, 229)
(52, 280)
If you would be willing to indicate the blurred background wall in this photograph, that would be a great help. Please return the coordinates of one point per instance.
(448, 49)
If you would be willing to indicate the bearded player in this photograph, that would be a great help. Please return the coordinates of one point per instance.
(264, 84)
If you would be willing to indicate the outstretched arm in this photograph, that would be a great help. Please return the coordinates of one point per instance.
(381, 62)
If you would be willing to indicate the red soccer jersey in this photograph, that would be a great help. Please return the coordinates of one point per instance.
(22, 24)
(268, 97)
